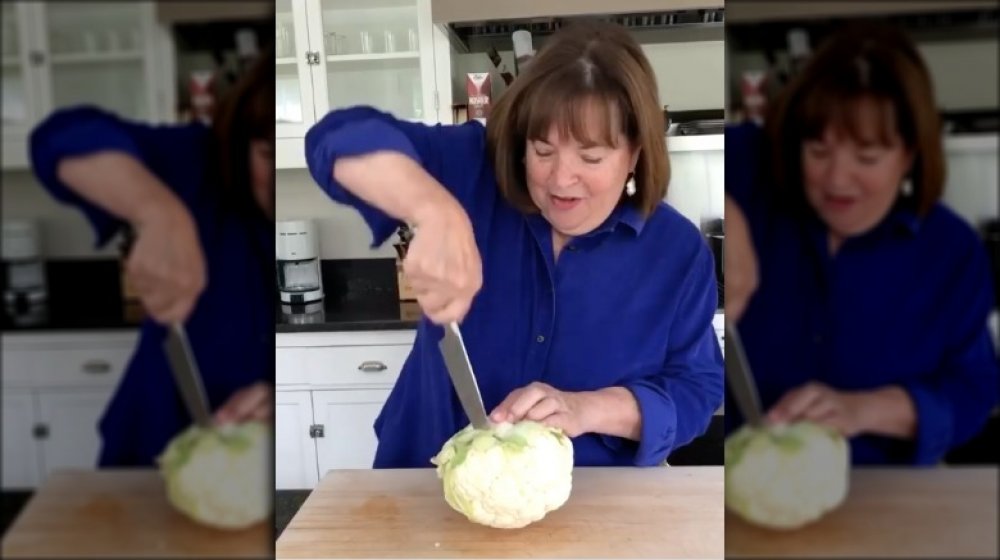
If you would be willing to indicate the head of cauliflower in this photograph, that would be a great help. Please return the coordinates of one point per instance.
(507, 476)
(787, 475)
(220, 476)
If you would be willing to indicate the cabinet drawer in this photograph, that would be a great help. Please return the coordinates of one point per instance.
(78, 367)
(341, 366)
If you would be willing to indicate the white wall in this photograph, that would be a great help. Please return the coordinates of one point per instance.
(689, 75)
(343, 234)
(964, 73)
(66, 233)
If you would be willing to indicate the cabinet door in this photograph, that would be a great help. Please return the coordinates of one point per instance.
(295, 449)
(18, 109)
(377, 54)
(70, 418)
(99, 53)
(347, 417)
(20, 449)
(294, 110)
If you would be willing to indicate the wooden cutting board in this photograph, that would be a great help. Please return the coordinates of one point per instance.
(911, 513)
(120, 513)
(657, 512)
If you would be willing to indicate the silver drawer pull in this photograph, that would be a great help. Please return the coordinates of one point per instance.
(372, 366)
(96, 367)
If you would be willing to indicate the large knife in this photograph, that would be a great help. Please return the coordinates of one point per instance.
(187, 375)
(460, 370)
(740, 378)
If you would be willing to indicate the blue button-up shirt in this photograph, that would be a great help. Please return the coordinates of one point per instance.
(231, 328)
(905, 304)
(629, 304)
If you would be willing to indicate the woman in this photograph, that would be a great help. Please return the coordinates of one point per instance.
(200, 201)
(869, 297)
(596, 301)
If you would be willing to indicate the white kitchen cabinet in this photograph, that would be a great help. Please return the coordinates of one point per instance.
(330, 387)
(295, 465)
(20, 454)
(55, 388)
(57, 54)
(346, 418)
(338, 53)
(70, 418)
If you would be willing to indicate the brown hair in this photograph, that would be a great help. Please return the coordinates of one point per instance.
(862, 62)
(244, 114)
(584, 62)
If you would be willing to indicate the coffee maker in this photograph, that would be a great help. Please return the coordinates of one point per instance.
(26, 290)
(299, 279)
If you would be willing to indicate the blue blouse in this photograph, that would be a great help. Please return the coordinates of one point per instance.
(231, 328)
(630, 304)
(905, 304)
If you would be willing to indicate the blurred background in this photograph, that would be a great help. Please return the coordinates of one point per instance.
(70, 322)
(949, 509)
(767, 42)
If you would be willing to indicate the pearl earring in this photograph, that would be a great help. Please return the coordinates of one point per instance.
(630, 184)
(907, 188)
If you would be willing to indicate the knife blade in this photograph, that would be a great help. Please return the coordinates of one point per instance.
(740, 378)
(186, 374)
(456, 358)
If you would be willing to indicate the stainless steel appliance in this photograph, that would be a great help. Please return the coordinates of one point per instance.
(297, 246)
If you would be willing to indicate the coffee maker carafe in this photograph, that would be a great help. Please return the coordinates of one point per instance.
(299, 279)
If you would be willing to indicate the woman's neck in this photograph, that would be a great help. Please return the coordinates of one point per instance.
(559, 241)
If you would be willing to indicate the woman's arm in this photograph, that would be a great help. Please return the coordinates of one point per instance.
(89, 158)
(391, 170)
(119, 183)
(649, 416)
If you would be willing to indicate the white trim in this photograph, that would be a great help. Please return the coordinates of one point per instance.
(345, 338)
(701, 143)
(981, 142)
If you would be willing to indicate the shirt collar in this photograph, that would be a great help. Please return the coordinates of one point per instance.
(623, 214)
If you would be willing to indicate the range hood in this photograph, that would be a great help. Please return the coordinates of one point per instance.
(171, 13)
(453, 11)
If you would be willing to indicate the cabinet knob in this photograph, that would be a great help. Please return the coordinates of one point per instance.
(40, 431)
(372, 366)
(36, 58)
(96, 367)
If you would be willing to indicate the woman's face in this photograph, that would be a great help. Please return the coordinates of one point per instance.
(575, 184)
(851, 184)
(262, 175)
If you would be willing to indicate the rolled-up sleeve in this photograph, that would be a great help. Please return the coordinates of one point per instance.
(677, 404)
(79, 131)
(952, 406)
(361, 130)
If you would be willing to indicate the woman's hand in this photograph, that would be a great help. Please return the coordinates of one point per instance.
(886, 411)
(543, 403)
(254, 402)
(442, 263)
(166, 264)
(816, 402)
(740, 263)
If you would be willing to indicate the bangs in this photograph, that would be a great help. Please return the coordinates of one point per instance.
(857, 101)
(864, 118)
(590, 113)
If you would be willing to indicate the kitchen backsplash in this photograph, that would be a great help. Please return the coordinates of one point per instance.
(342, 232)
(65, 232)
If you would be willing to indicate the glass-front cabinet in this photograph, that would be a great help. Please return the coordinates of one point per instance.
(332, 54)
(57, 54)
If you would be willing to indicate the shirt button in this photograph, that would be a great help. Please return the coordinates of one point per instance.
(540, 339)
(817, 338)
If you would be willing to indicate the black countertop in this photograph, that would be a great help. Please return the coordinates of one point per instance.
(359, 295)
(83, 294)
